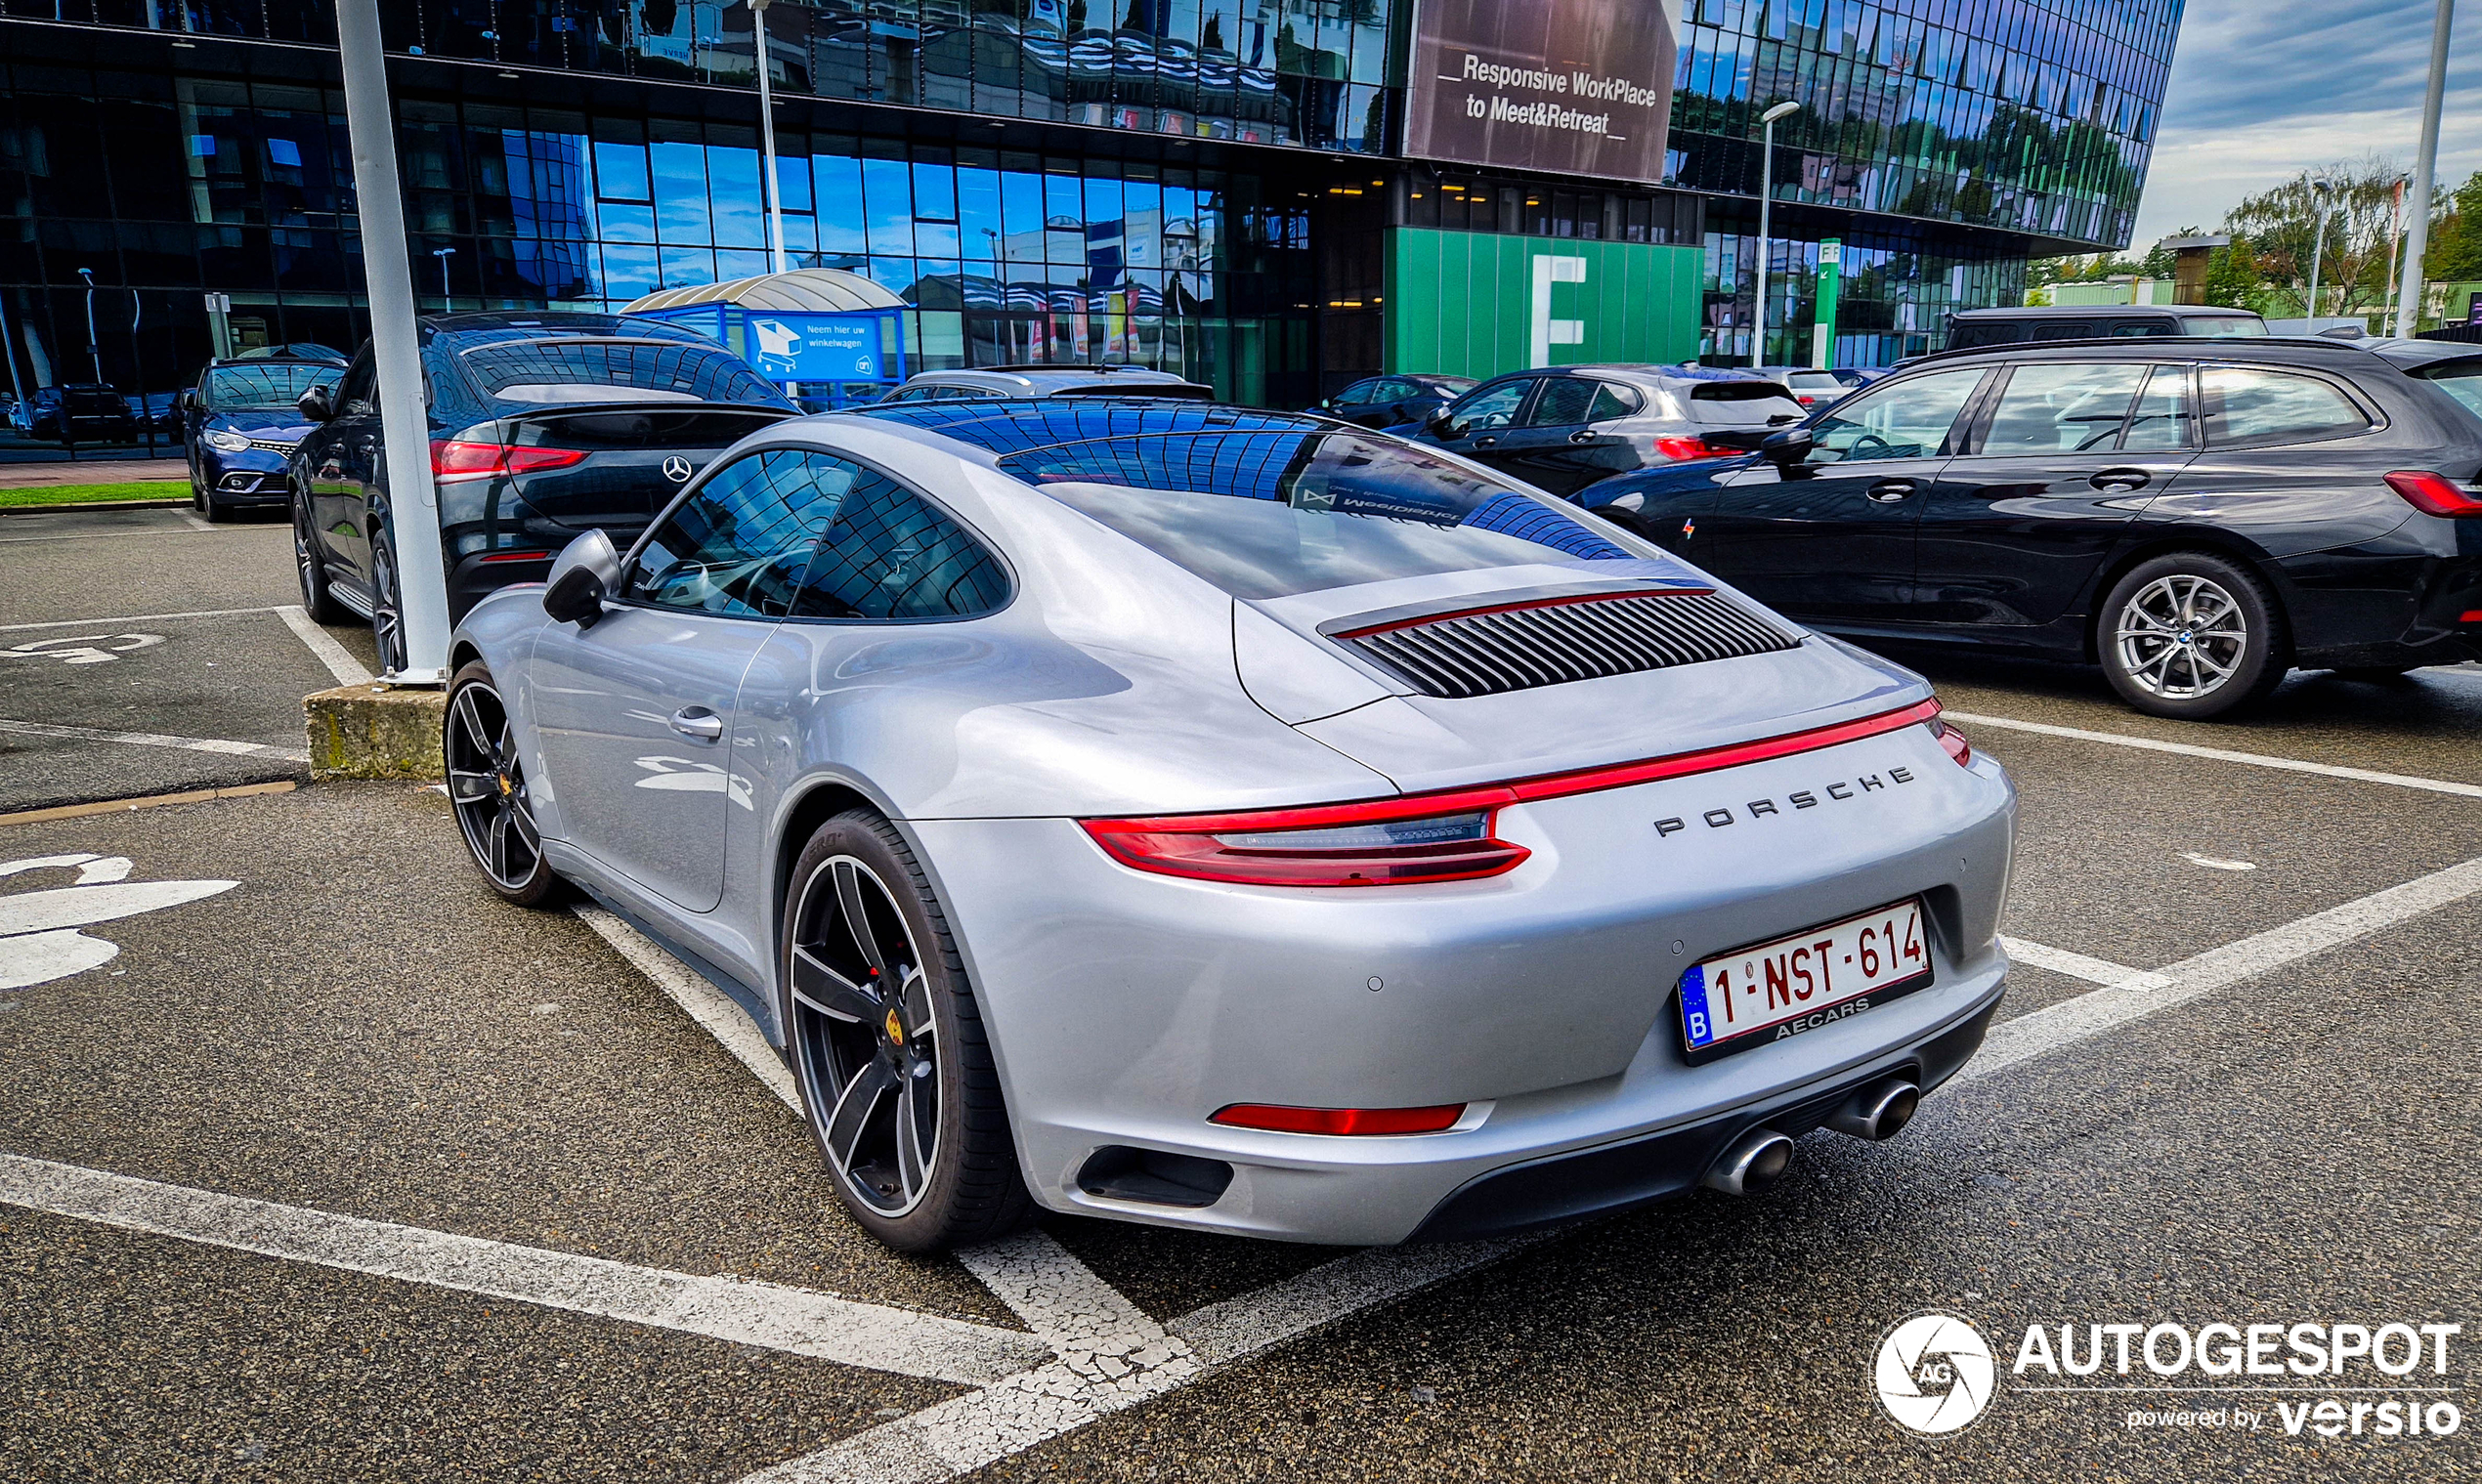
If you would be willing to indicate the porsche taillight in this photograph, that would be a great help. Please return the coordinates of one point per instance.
(1387, 842)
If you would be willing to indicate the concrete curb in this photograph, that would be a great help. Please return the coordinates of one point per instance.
(375, 732)
(165, 504)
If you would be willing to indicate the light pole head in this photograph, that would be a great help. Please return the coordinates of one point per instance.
(88, 274)
(1780, 110)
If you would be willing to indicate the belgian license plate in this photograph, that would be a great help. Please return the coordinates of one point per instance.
(1769, 992)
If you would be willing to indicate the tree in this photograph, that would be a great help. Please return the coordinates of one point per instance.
(2454, 255)
(2354, 249)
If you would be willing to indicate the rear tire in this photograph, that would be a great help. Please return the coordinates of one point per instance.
(309, 568)
(387, 608)
(2193, 636)
(489, 791)
(886, 1071)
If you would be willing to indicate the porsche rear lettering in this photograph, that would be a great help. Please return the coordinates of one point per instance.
(1804, 799)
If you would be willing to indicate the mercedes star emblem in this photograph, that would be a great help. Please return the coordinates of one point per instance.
(678, 469)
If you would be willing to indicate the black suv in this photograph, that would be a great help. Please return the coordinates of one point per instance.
(2195, 516)
(543, 426)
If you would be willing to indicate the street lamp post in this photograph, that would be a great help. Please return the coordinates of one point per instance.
(2318, 245)
(2408, 296)
(1766, 198)
(447, 303)
(775, 203)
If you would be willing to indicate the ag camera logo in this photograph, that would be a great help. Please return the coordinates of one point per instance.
(1935, 1373)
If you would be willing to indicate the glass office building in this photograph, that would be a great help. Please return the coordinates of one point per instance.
(1214, 187)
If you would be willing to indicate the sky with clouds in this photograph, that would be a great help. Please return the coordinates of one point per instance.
(2261, 88)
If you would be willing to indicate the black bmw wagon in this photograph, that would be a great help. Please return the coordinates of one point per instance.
(542, 425)
(2196, 518)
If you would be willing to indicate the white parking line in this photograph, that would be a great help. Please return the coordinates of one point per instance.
(2137, 995)
(2220, 754)
(2060, 960)
(705, 1003)
(203, 613)
(153, 740)
(793, 1320)
(323, 645)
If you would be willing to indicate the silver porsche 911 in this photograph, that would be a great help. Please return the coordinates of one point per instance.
(1238, 820)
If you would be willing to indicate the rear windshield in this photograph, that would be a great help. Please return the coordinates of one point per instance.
(1740, 403)
(1173, 390)
(95, 401)
(267, 385)
(2222, 324)
(576, 369)
(1266, 514)
(2460, 379)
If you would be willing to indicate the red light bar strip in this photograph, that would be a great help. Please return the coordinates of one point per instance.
(1340, 1120)
(1511, 608)
(1552, 786)
(517, 556)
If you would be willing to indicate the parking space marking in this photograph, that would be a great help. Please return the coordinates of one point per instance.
(797, 1321)
(2053, 1027)
(705, 1003)
(153, 740)
(2060, 960)
(204, 613)
(323, 645)
(2220, 754)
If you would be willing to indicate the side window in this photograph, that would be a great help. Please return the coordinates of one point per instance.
(1489, 409)
(738, 546)
(1612, 401)
(2124, 330)
(1395, 388)
(1564, 401)
(2253, 407)
(888, 553)
(1359, 392)
(359, 393)
(1905, 419)
(2062, 409)
(2165, 416)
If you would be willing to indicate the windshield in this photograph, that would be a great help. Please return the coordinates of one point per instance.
(576, 369)
(2223, 324)
(2460, 379)
(267, 386)
(1267, 513)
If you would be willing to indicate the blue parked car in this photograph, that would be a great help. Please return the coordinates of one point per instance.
(241, 423)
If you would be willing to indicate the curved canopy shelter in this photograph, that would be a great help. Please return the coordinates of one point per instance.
(830, 337)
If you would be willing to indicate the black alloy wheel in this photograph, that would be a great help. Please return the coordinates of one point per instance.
(889, 1048)
(387, 608)
(310, 567)
(488, 790)
(2192, 635)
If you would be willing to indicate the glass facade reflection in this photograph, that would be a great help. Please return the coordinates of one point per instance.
(1204, 186)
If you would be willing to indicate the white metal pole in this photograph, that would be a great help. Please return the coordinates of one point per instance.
(767, 139)
(413, 504)
(1766, 197)
(2318, 245)
(2410, 295)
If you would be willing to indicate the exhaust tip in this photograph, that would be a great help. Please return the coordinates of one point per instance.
(1879, 1113)
(1751, 1162)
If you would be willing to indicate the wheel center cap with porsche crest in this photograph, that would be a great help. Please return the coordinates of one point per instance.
(678, 469)
(895, 1030)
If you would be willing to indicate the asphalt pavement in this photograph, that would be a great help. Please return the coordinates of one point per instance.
(335, 1166)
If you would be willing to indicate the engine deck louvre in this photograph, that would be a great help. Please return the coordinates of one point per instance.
(1458, 655)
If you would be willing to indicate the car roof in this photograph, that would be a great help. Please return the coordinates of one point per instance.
(2107, 311)
(485, 325)
(1015, 425)
(2316, 350)
(1034, 379)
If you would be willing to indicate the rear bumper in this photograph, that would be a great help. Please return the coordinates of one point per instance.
(472, 578)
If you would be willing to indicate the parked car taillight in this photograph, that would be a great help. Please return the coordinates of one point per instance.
(455, 462)
(1339, 1120)
(1955, 741)
(2434, 494)
(1387, 842)
(1689, 448)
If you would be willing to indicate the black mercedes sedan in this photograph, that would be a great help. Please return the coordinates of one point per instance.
(542, 425)
(2196, 518)
(1388, 401)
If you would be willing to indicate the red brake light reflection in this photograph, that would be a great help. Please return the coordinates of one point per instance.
(1340, 1120)
(1689, 448)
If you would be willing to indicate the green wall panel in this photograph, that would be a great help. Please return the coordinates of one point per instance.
(1461, 303)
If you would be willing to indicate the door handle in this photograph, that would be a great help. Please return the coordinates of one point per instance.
(1485, 442)
(1889, 491)
(1582, 436)
(2119, 481)
(700, 723)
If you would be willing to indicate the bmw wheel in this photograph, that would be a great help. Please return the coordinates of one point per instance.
(387, 608)
(888, 1047)
(2193, 636)
(309, 568)
(488, 792)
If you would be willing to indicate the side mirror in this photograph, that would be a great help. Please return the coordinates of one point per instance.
(316, 404)
(588, 570)
(1789, 447)
(184, 401)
